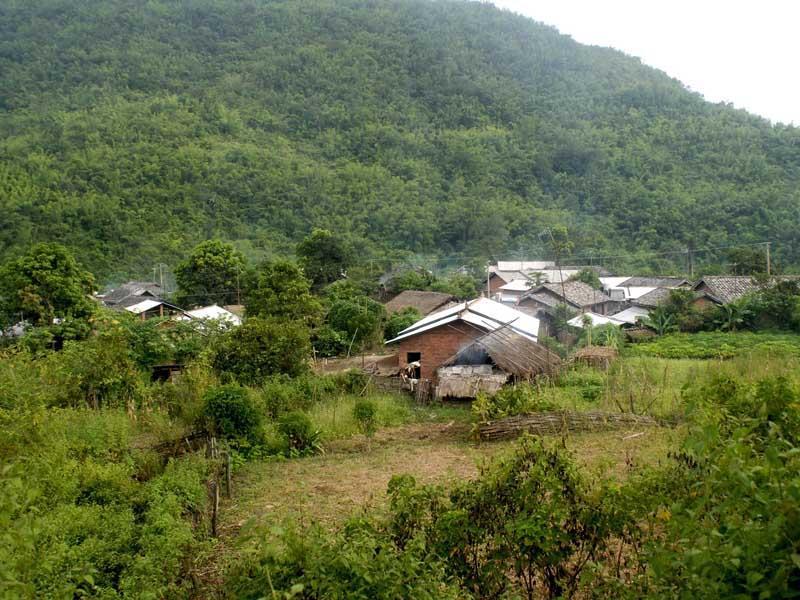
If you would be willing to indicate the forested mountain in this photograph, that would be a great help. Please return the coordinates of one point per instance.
(132, 129)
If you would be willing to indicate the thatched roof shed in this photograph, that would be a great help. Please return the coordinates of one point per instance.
(423, 301)
(511, 352)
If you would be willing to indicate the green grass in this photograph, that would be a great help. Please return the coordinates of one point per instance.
(717, 345)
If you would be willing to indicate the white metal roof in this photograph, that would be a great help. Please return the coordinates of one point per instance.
(143, 306)
(215, 312)
(518, 285)
(484, 313)
(612, 282)
(523, 265)
(595, 318)
(630, 315)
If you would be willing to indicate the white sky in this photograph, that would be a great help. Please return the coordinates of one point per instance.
(746, 53)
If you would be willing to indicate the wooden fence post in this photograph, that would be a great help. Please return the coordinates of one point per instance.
(228, 474)
(214, 507)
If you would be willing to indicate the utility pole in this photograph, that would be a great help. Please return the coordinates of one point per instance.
(769, 266)
(690, 262)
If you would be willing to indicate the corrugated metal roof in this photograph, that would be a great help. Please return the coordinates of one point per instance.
(215, 312)
(630, 315)
(484, 313)
(143, 306)
(595, 318)
(518, 285)
(612, 282)
(522, 265)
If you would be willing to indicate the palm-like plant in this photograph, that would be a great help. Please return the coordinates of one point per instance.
(659, 321)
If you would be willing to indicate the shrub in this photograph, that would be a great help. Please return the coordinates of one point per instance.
(365, 412)
(300, 435)
(400, 320)
(329, 342)
(231, 413)
(510, 400)
(260, 348)
(352, 381)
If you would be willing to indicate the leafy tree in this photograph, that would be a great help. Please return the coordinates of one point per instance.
(357, 317)
(44, 284)
(324, 256)
(212, 274)
(280, 289)
(260, 348)
(400, 320)
(589, 277)
(460, 285)
(748, 260)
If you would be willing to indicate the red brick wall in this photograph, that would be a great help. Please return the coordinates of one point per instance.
(437, 345)
(495, 283)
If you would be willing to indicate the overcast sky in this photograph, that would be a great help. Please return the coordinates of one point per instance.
(747, 53)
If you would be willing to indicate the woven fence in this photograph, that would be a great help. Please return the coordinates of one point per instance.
(560, 422)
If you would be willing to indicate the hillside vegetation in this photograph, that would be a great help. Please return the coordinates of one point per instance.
(132, 130)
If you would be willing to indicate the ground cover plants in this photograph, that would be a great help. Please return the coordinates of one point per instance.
(718, 518)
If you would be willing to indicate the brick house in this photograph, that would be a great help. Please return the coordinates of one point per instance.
(437, 338)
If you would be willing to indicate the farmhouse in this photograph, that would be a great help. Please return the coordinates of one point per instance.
(543, 301)
(131, 293)
(153, 307)
(423, 302)
(727, 289)
(479, 339)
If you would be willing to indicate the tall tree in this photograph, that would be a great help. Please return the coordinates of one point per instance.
(280, 289)
(212, 274)
(44, 284)
(324, 257)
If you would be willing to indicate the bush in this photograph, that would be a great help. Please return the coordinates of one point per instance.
(352, 381)
(400, 320)
(301, 436)
(260, 348)
(329, 342)
(510, 400)
(231, 413)
(365, 412)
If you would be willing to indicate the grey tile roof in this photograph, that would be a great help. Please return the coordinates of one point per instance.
(652, 299)
(729, 288)
(576, 293)
(132, 288)
(657, 282)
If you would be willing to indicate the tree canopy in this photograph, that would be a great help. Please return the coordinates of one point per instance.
(210, 275)
(452, 130)
(44, 284)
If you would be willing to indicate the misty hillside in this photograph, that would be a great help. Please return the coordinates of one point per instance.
(131, 129)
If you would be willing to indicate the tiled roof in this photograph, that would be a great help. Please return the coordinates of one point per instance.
(657, 282)
(131, 288)
(728, 288)
(577, 293)
(653, 298)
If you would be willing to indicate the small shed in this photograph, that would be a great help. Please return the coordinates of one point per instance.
(490, 361)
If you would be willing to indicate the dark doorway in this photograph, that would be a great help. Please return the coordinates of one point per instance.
(414, 357)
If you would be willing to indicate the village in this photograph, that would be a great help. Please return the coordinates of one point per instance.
(460, 348)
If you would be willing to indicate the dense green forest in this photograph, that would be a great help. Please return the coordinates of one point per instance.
(132, 130)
